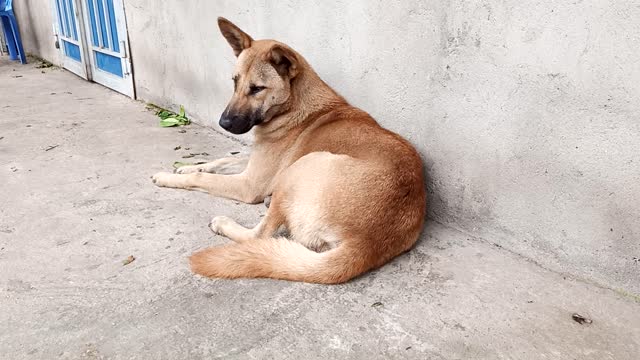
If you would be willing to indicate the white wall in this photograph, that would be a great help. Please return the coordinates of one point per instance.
(35, 20)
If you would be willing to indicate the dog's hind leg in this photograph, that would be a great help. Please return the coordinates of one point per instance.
(224, 166)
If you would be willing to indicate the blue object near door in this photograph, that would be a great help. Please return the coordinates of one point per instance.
(11, 32)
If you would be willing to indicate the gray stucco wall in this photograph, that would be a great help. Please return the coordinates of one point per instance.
(527, 114)
(35, 20)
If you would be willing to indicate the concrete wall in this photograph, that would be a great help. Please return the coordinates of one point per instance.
(527, 113)
(35, 19)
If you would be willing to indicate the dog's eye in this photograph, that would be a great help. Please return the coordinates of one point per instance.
(254, 89)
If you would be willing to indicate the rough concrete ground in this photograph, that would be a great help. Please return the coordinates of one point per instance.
(76, 200)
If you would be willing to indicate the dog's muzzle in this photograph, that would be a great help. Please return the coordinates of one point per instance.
(240, 123)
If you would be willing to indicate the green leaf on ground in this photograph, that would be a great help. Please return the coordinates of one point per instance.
(168, 122)
(168, 118)
(179, 164)
(164, 114)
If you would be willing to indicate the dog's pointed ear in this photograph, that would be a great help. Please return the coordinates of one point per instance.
(284, 61)
(238, 39)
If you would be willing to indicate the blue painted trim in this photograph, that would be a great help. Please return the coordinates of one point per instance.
(109, 63)
(92, 21)
(103, 25)
(60, 19)
(115, 44)
(63, 22)
(72, 50)
(62, 15)
(73, 20)
(65, 14)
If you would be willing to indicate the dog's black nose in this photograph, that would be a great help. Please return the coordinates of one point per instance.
(236, 124)
(226, 123)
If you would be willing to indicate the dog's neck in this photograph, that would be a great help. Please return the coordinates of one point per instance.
(311, 98)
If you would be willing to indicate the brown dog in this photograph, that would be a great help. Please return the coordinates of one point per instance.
(350, 193)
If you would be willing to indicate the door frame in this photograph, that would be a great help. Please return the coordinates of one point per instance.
(125, 84)
(89, 69)
(81, 69)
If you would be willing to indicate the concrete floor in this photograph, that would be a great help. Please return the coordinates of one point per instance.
(75, 161)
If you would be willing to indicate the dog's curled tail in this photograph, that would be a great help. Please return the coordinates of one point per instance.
(278, 258)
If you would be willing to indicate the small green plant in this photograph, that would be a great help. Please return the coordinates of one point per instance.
(168, 118)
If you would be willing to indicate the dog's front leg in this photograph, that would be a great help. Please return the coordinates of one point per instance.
(227, 166)
(236, 187)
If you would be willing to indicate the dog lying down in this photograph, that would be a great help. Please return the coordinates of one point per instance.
(350, 193)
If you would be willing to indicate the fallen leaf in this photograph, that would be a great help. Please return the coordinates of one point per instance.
(128, 260)
(179, 164)
(170, 121)
(163, 114)
(377, 304)
(169, 118)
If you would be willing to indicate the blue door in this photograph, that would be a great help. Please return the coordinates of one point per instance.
(108, 45)
(69, 36)
(92, 35)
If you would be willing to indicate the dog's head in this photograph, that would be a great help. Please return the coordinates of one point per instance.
(262, 79)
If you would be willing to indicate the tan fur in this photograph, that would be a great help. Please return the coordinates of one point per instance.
(350, 193)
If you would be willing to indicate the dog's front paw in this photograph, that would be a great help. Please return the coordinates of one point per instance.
(163, 179)
(218, 223)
